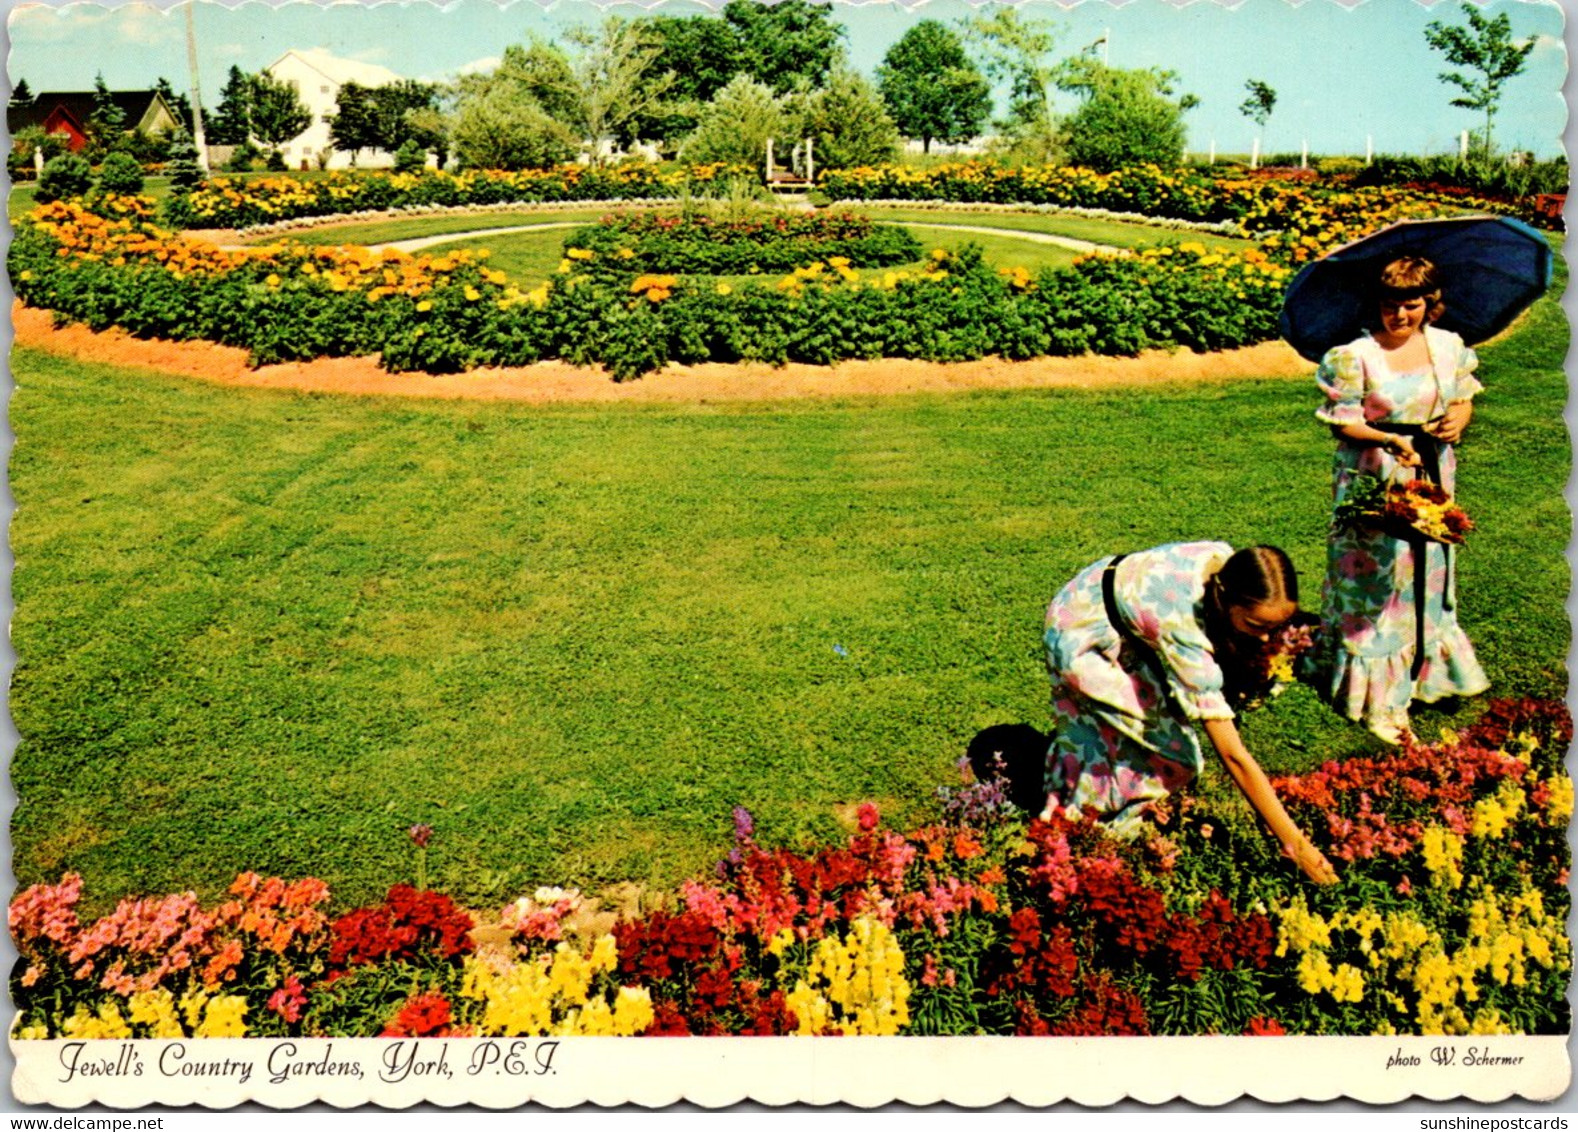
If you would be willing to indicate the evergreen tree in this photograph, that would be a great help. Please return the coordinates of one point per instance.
(848, 124)
(231, 121)
(107, 122)
(178, 103)
(21, 95)
(185, 173)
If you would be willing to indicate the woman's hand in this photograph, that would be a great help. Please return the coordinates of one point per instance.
(1402, 450)
(1252, 781)
(1312, 861)
(1450, 425)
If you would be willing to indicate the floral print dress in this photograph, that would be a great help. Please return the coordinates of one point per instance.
(1118, 745)
(1369, 611)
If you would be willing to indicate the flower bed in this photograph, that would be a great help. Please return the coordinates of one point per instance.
(242, 202)
(689, 243)
(113, 267)
(1261, 206)
(1448, 918)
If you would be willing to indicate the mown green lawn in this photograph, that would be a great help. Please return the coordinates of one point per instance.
(266, 631)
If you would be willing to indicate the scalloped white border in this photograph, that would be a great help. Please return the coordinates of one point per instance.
(716, 1072)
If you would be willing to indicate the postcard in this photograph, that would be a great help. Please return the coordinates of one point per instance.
(789, 553)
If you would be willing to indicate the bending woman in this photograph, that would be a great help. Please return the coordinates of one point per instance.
(1397, 401)
(1137, 647)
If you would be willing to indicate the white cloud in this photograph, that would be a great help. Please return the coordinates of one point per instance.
(135, 25)
(479, 66)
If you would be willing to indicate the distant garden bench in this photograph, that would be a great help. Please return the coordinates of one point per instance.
(792, 179)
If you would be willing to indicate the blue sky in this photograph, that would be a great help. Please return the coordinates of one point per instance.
(1345, 71)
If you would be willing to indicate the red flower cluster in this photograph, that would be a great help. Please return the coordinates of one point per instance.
(661, 946)
(1379, 805)
(422, 1016)
(408, 926)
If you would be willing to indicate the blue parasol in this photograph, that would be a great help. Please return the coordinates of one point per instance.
(1491, 269)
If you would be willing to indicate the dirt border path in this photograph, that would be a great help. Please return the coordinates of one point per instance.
(554, 382)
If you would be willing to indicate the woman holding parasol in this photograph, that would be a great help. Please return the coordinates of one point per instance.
(1398, 398)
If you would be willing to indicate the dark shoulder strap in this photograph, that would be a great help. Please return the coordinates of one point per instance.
(1109, 598)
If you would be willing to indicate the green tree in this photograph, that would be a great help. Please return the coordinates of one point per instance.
(703, 54)
(353, 126)
(1258, 107)
(21, 95)
(615, 79)
(106, 122)
(396, 108)
(1126, 117)
(787, 45)
(1018, 52)
(736, 124)
(278, 113)
(502, 127)
(847, 122)
(185, 172)
(931, 88)
(179, 104)
(231, 121)
(1487, 48)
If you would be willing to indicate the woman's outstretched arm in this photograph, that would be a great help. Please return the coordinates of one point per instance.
(1253, 782)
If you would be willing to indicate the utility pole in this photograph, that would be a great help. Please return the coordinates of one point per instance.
(199, 139)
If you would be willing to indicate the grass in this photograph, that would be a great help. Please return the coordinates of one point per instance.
(258, 630)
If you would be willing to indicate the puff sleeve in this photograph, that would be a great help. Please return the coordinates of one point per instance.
(1341, 379)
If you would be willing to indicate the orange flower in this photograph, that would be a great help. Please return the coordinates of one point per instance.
(965, 847)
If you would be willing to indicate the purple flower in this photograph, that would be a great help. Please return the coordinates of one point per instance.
(744, 824)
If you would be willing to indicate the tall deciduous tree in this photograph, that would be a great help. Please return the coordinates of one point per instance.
(788, 45)
(616, 79)
(1018, 51)
(1257, 108)
(1487, 48)
(278, 113)
(1126, 117)
(353, 126)
(931, 88)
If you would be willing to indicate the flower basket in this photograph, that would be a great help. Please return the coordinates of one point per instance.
(1412, 510)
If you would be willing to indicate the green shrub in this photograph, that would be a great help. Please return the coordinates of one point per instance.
(410, 157)
(700, 244)
(65, 176)
(120, 173)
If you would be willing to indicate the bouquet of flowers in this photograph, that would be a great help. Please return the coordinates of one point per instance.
(1415, 509)
(1268, 672)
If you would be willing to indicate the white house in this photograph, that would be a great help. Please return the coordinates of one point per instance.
(317, 77)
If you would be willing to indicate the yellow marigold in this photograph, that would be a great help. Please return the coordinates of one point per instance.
(580, 253)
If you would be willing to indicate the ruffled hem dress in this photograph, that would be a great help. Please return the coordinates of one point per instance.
(1118, 746)
(1371, 608)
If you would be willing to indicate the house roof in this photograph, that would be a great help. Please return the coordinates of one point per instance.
(340, 71)
(135, 104)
